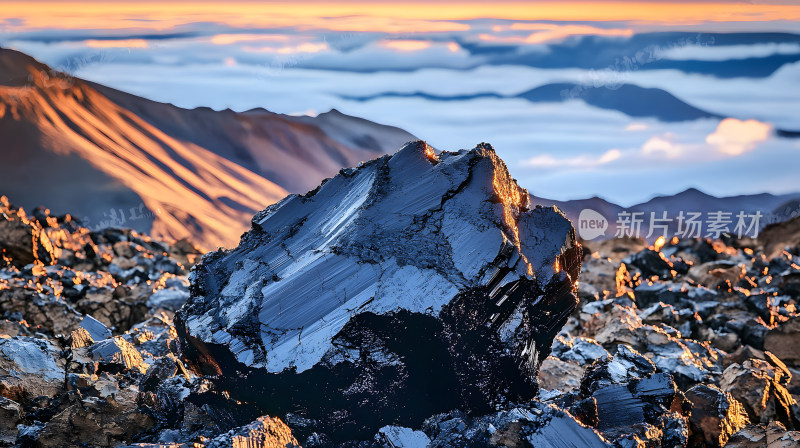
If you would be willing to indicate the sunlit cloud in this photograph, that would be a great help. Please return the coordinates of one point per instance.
(229, 39)
(664, 146)
(731, 138)
(308, 47)
(117, 43)
(735, 137)
(548, 32)
(293, 59)
(392, 17)
(578, 162)
(405, 45)
(390, 54)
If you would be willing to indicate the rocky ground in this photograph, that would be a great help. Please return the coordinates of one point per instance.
(690, 343)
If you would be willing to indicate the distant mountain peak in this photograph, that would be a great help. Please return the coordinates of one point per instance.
(16, 68)
(772, 207)
(630, 99)
(692, 192)
(115, 159)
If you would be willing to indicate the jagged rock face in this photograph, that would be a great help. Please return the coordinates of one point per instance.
(264, 432)
(630, 402)
(411, 285)
(757, 385)
(23, 240)
(715, 415)
(533, 425)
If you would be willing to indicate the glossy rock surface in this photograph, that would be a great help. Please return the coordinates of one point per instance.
(413, 281)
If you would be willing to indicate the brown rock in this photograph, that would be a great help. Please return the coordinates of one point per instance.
(185, 252)
(775, 237)
(10, 415)
(124, 263)
(43, 313)
(772, 435)
(716, 274)
(555, 374)
(116, 308)
(509, 437)
(784, 341)
(725, 341)
(24, 241)
(81, 338)
(118, 351)
(29, 368)
(95, 421)
(124, 249)
(742, 354)
(599, 273)
(618, 326)
(266, 432)
(616, 248)
(757, 385)
(11, 328)
(715, 415)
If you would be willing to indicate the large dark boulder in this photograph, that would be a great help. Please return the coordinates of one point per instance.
(412, 285)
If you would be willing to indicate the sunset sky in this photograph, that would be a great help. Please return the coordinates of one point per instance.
(118, 14)
(459, 73)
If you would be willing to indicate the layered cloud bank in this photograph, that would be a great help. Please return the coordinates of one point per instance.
(644, 94)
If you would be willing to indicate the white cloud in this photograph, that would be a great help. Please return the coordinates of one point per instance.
(541, 33)
(773, 99)
(722, 53)
(730, 138)
(569, 137)
(735, 137)
(579, 162)
(664, 146)
(633, 127)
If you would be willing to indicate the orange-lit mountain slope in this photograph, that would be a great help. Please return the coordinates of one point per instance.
(113, 158)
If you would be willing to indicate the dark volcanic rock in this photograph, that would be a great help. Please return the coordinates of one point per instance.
(68, 368)
(715, 415)
(412, 285)
(633, 402)
(651, 263)
(23, 240)
(533, 425)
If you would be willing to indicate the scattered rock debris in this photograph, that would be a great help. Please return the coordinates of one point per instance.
(419, 300)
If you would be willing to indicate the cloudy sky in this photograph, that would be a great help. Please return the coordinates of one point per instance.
(624, 99)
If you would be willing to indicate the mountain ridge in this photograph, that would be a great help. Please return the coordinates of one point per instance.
(630, 99)
(112, 157)
(773, 207)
